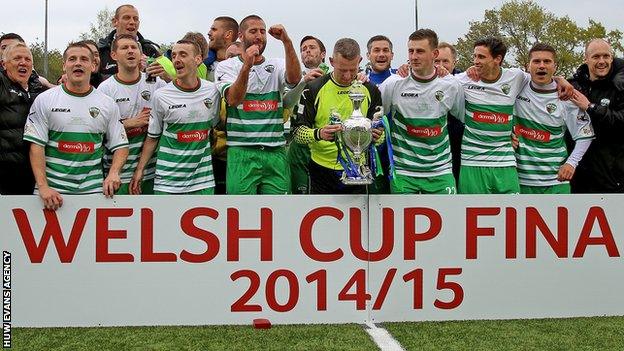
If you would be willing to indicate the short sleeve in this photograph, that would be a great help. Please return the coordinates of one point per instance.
(36, 128)
(157, 115)
(115, 132)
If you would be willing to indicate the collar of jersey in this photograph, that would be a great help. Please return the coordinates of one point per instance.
(188, 90)
(69, 92)
(331, 76)
(541, 91)
(255, 64)
(500, 74)
(420, 80)
(127, 83)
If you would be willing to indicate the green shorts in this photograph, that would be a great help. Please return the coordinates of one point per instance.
(553, 189)
(488, 180)
(147, 188)
(442, 184)
(207, 191)
(257, 170)
(299, 162)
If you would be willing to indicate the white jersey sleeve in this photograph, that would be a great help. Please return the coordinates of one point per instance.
(115, 132)
(458, 107)
(387, 92)
(226, 74)
(578, 123)
(36, 128)
(157, 115)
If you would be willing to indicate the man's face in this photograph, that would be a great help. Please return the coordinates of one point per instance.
(599, 59)
(311, 54)
(127, 54)
(216, 36)
(483, 60)
(380, 55)
(96, 57)
(19, 65)
(127, 22)
(6, 43)
(185, 60)
(542, 67)
(421, 56)
(233, 51)
(345, 70)
(446, 59)
(254, 34)
(78, 65)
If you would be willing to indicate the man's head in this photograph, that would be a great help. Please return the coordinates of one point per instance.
(78, 63)
(126, 20)
(252, 31)
(222, 33)
(126, 51)
(447, 56)
(599, 58)
(96, 54)
(488, 56)
(235, 49)
(346, 60)
(17, 61)
(542, 63)
(200, 40)
(312, 52)
(186, 57)
(379, 53)
(422, 49)
(9, 39)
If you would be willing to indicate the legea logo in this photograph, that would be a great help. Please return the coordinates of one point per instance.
(424, 132)
(533, 134)
(76, 147)
(491, 117)
(258, 105)
(192, 136)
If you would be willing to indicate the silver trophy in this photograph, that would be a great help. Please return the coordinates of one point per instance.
(356, 135)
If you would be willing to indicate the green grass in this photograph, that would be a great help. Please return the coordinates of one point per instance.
(599, 333)
(280, 337)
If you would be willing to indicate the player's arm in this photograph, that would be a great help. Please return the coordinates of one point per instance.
(113, 180)
(293, 69)
(51, 198)
(235, 93)
(149, 146)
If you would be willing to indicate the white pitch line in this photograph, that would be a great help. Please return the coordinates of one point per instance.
(382, 338)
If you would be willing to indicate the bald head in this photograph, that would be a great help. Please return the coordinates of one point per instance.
(599, 58)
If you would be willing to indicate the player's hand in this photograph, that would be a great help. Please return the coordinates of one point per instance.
(328, 132)
(362, 77)
(250, 54)
(403, 70)
(111, 184)
(580, 100)
(377, 132)
(135, 182)
(564, 88)
(442, 71)
(312, 74)
(278, 32)
(51, 198)
(143, 62)
(566, 172)
(157, 70)
(515, 142)
(473, 73)
(139, 121)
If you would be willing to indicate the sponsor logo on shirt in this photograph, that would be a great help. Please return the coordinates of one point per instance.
(424, 132)
(259, 105)
(506, 88)
(532, 134)
(60, 109)
(491, 117)
(136, 131)
(76, 147)
(269, 68)
(550, 108)
(192, 136)
(439, 95)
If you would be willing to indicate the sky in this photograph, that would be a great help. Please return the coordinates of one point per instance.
(165, 22)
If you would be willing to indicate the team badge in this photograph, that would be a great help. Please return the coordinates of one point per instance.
(269, 68)
(146, 95)
(506, 88)
(94, 112)
(582, 117)
(439, 95)
(208, 102)
(605, 102)
(551, 108)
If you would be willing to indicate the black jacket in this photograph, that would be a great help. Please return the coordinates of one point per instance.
(15, 172)
(602, 167)
(108, 66)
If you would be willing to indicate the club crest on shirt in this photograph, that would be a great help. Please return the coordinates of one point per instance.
(550, 108)
(94, 111)
(146, 95)
(269, 68)
(439, 95)
(605, 102)
(208, 102)
(506, 88)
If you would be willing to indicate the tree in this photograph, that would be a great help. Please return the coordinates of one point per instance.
(520, 24)
(55, 61)
(102, 27)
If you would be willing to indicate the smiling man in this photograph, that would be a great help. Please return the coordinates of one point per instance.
(68, 127)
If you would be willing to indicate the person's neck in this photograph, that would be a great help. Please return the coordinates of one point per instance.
(221, 53)
(187, 82)
(546, 86)
(78, 87)
(128, 75)
(492, 75)
(374, 71)
(424, 74)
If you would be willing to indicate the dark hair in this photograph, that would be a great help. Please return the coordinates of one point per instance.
(118, 10)
(347, 48)
(318, 42)
(494, 45)
(243, 23)
(193, 43)
(229, 24)
(543, 47)
(428, 34)
(377, 38)
(123, 36)
(9, 36)
(444, 44)
(78, 44)
(89, 42)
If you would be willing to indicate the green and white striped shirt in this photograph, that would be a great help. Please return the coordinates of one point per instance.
(183, 119)
(74, 129)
